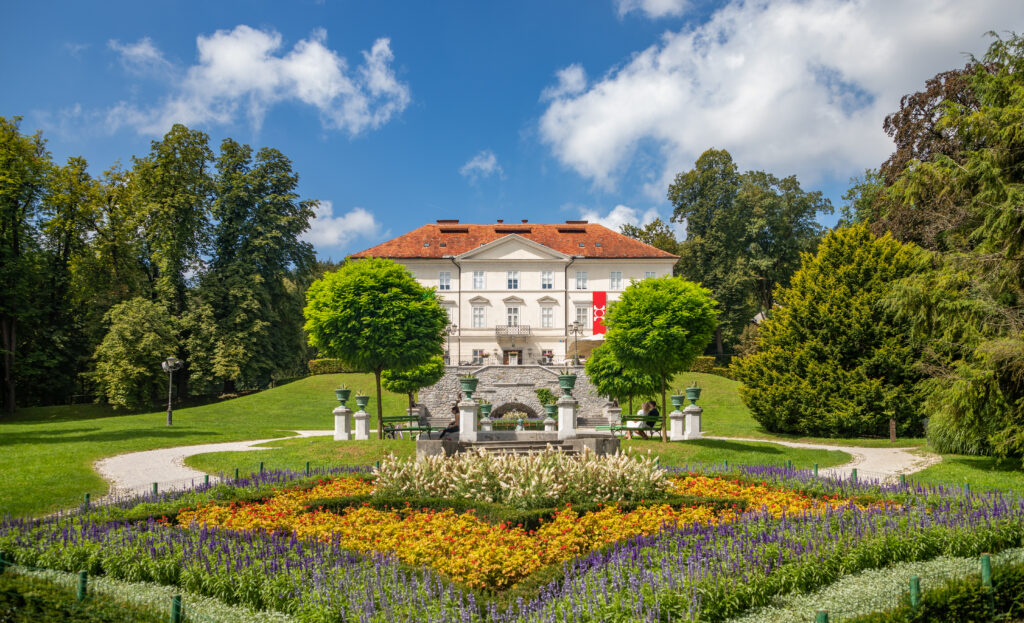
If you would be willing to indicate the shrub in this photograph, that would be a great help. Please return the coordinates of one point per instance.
(329, 366)
(545, 396)
(723, 372)
(703, 364)
(25, 599)
(831, 360)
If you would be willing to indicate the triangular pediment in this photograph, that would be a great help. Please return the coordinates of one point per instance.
(512, 300)
(547, 300)
(513, 248)
(479, 300)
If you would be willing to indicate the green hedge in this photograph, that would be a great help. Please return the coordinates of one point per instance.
(329, 366)
(723, 372)
(499, 513)
(703, 364)
(25, 599)
(963, 601)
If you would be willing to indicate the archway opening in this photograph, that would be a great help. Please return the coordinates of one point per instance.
(508, 407)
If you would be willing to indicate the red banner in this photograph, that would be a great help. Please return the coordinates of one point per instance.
(597, 309)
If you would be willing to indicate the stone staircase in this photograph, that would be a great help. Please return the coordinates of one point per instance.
(520, 447)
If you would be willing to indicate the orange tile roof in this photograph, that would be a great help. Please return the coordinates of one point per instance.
(599, 241)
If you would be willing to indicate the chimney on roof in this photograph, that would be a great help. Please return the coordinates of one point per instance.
(525, 220)
(500, 221)
(448, 221)
(576, 222)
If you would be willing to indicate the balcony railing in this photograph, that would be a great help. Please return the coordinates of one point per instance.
(511, 330)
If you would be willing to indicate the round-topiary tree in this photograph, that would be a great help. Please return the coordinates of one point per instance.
(611, 379)
(831, 360)
(658, 327)
(373, 315)
(414, 379)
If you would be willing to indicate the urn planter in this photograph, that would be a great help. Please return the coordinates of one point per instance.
(567, 382)
(485, 410)
(468, 385)
(551, 411)
(692, 394)
(362, 401)
(342, 395)
(677, 400)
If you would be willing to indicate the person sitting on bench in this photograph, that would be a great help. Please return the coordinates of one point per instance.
(454, 426)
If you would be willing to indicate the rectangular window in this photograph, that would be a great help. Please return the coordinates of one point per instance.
(478, 317)
(649, 274)
(478, 356)
(581, 280)
(583, 316)
(547, 317)
(478, 280)
(512, 315)
(444, 281)
(513, 280)
(451, 314)
(615, 280)
(547, 280)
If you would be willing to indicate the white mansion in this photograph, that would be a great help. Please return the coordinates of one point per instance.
(522, 293)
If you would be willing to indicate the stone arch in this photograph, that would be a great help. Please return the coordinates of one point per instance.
(501, 410)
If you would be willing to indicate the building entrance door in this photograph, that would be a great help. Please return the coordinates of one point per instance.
(513, 357)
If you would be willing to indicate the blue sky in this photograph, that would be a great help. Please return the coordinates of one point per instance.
(398, 113)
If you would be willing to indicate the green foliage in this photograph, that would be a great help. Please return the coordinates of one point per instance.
(373, 315)
(26, 599)
(546, 397)
(657, 233)
(703, 364)
(831, 360)
(414, 379)
(141, 335)
(328, 366)
(610, 378)
(723, 372)
(658, 327)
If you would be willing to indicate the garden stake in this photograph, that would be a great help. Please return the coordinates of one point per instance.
(154, 488)
(378, 465)
(87, 501)
(236, 473)
(261, 467)
(83, 579)
(815, 470)
(853, 474)
(3, 565)
(206, 480)
(915, 591)
(176, 609)
(821, 617)
(903, 479)
(986, 571)
(307, 468)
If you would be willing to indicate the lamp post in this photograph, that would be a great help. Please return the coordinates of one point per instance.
(170, 365)
(577, 330)
(452, 329)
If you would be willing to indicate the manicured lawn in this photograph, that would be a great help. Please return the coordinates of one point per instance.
(725, 415)
(980, 472)
(48, 452)
(325, 452)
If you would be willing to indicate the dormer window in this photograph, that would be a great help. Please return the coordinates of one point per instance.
(426, 244)
(583, 244)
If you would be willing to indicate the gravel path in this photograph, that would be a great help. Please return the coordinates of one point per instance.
(137, 471)
(882, 463)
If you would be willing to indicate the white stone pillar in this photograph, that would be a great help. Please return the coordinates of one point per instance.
(567, 417)
(486, 425)
(676, 430)
(614, 414)
(362, 419)
(342, 424)
(550, 425)
(467, 420)
(692, 414)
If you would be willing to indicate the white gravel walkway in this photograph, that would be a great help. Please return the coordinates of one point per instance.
(882, 463)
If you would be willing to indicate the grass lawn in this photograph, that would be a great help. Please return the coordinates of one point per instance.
(325, 452)
(48, 452)
(725, 415)
(981, 472)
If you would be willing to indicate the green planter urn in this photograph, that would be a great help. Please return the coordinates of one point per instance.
(677, 400)
(692, 394)
(567, 382)
(468, 384)
(342, 395)
(362, 401)
(551, 411)
(485, 409)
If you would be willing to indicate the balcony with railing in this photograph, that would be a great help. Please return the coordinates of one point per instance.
(511, 330)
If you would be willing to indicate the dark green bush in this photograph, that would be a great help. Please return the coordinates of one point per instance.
(328, 366)
(723, 372)
(703, 364)
(28, 599)
(964, 601)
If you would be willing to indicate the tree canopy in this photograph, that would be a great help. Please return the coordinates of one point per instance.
(373, 315)
(610, 378)
(658, 327)
(414, 379)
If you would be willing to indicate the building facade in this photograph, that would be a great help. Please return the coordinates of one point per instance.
(522, 293)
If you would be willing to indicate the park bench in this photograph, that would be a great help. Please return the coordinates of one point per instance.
(653, 424)
(393, 428)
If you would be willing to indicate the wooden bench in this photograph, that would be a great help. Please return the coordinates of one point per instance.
(392, 430)
(653, 424)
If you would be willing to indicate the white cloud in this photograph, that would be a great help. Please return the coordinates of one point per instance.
(790, 86)
(618, 216)
(571, 80)
(654, 8)
(142, 58)
(484, 164)
(327, 231)
(243, 71)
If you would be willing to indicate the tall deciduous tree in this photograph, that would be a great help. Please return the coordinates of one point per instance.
(657, 233)
(414, 379)
(373, 315)
(616, 381)
(141, 334)
(658, 327)
(24, 165)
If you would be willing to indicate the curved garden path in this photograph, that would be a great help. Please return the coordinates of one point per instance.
(881, 463)
(135, 472)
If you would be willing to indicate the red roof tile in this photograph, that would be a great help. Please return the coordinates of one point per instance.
(598, 240)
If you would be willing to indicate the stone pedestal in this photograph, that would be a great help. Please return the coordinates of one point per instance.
(692, 415)
(362, 420)
(676, 426)
(550, 425)
(567, 417)
(486, 425)
(614, 414)
(342, 424)
(467, 420)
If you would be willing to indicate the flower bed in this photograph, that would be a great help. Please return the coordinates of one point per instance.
(641, 561)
